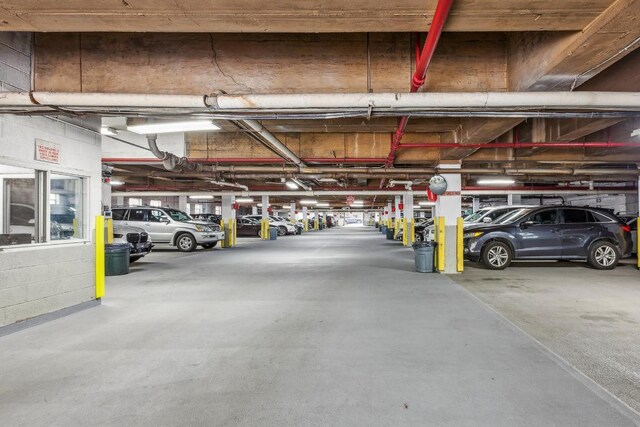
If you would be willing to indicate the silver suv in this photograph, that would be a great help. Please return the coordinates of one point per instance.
(167, 225)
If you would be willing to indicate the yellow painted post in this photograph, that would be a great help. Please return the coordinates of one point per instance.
(413, 232)
(110, 231)
(76, 227)
(100, 270)
(235, 232)
(405, 232)
(316, 223)
(222, 245)
(441, 243)
(306, 224)
(460, 245)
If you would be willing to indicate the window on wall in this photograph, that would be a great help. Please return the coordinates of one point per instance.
(217, 210)
(199, 208)
(39, 206)
(155, 203)
(135, 202)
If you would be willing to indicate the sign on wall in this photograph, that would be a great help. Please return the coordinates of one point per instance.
(351, 199)
(47, 151)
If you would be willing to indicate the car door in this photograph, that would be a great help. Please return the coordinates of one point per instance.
(158, 226)
(137, 218)
(578, 230)
(538, 235)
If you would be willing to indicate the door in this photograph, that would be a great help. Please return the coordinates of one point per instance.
(538, 236)
(579, 228)
(137, 218)
(158, 226)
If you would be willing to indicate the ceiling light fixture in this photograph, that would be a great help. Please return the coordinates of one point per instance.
(426, 203)
(244, 200)
(308, 202)
(322, 204)
(191, 126)
(292, 185)
(499, 181)
(635, 133)
(116, 182)
(203, 197)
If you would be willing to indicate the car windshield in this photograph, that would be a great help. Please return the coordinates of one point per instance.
(509, 217)
(177, 215)
(476, 216)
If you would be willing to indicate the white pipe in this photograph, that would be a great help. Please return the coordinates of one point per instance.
(628, 101)
(624, 101)
(230, 184)
(269, 137)
(407, 184)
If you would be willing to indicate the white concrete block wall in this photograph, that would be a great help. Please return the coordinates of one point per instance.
(15, 61)
(39, 279)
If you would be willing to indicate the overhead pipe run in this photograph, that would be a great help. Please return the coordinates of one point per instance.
(515, 145)
(273, 141)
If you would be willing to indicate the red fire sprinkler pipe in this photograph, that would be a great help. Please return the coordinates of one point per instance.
(437, 24)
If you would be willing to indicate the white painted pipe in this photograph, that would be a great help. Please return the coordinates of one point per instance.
(275, 142)
(230, 184)
(622, 101)
(627, 101)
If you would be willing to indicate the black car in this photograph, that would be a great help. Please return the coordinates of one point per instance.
(247, 227)
(551, 233)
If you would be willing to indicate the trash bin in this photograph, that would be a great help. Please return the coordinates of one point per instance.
(273, 233)
(383, 229)
(376, 224)
(116, 259)
(424, 252)
(390, 233)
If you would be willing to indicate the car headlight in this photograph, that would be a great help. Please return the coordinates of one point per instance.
(472, 234)
(201, 228)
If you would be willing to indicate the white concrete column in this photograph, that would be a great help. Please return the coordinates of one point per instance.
(264, 210)
(408, 218)
(305, 218)
(106, 197)
(514, 199)
(182, 203)
(449, 206)
(292, 212)
(476, 204)
(229, 218)
(389, 215)
(254, 210)
(120, 201)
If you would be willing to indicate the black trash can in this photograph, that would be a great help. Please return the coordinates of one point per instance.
(390, 233)
(273, 233)
(116, 259)
(425, 256)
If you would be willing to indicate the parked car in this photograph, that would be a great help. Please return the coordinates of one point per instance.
(419, 226)
(171, 226)
(208, 217)
(284, 227)
(136, 237)
(352, 220)
(248, 227)
(481, 216)
(298, 225)
(632, 222)
(551, 233)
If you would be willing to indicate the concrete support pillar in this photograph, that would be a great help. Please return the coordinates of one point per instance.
(389, 215)
(229, 221)
(254, 210)
(182, 203)
(265, 217)
(305, 218)
(120, 201)
(476, 204)
(292, 212)
(316, 221)
(397, 223)
(106, 197)
(448, 211)
(514, 199)
(407, 223)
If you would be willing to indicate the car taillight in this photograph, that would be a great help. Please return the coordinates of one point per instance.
(625, 228)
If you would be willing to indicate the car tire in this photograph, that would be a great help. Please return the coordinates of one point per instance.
(209, 245)
(282, 230)
(496, 255)
(603, 256)
(185, 242)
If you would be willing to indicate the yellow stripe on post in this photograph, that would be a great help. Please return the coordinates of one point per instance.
(235, 232)
(460, 245)
(109, 231)
(413, 232)
(441, 243)
(100, 270)
(405, 232)
(222, 245)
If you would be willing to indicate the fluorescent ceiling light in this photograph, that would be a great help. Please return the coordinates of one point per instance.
(115, 182)
(244, 200)
(308, 202)
(327, 180)
(292, 185)
(322, 204)
(191, 126)
(106, 130)
(426, 203)
(416, 207)
(499, 181)
(635, 132)
(201, 197)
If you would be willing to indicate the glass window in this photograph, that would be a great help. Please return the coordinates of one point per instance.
(118, 214)
(217, 210)
(575, 216)
(156, 215)
(18, 207)
(66, 208)
(603, 218)
(155, 203)
(135, 202)
(178, 215)
(138, 215)
(544, 217)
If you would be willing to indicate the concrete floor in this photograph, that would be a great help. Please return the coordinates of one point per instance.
(329, 328)
(590, 318)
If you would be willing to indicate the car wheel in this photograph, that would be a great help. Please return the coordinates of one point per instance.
(186, 243)
(603, 256)
(418, 237)
(496, 256)
(282, 230)
(210, 245)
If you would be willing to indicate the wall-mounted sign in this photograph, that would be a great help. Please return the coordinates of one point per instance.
(452, 193)
(351, 199)
(47, 151)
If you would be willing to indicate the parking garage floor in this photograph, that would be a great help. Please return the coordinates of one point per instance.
(328, 328)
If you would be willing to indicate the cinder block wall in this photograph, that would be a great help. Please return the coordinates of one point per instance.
(44, 279)
(15, 61)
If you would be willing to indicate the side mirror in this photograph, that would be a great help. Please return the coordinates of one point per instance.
(527, 224)
(486, 220)
(165, 219)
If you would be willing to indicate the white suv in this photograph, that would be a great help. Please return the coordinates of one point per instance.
(167, 225)
(284, 227)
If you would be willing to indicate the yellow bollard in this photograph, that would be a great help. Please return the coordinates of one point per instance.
(109, 231)
(100, 269)
(405, 232)
(413, 232)
(222, 245)
(306, 224)
(460, 245)
(441, 243)
(235, 232)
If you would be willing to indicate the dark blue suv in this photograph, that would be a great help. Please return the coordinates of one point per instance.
(550, 233)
